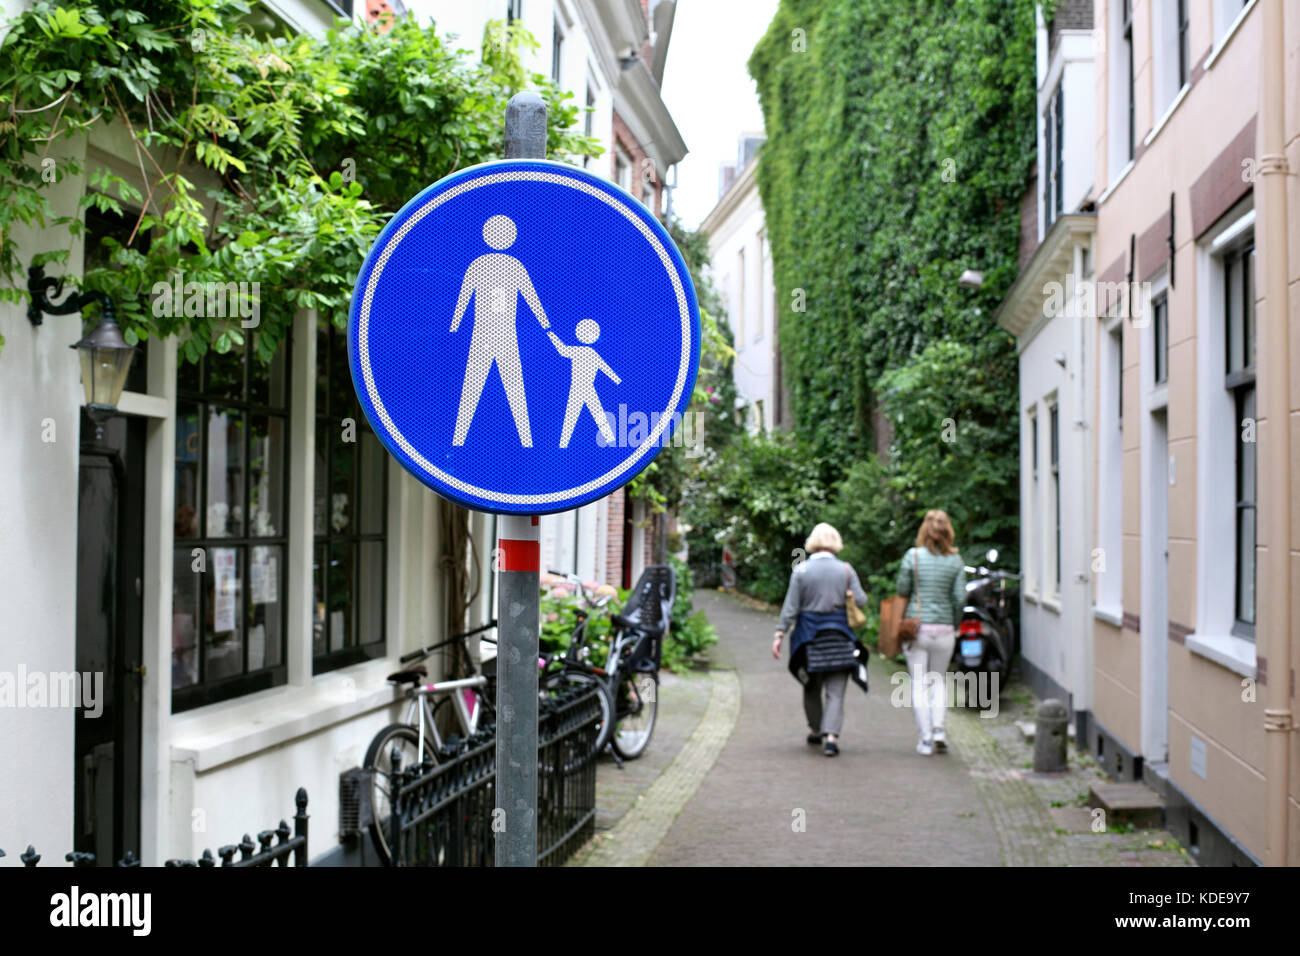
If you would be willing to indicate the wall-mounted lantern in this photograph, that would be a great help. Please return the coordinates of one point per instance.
(105, 356)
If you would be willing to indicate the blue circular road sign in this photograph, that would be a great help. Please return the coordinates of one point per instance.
(524, 337)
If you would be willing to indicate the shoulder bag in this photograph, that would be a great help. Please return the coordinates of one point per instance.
(855, 615)
(896, 630)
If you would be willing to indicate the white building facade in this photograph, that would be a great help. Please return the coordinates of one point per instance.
(1048, 310)
(741, 257)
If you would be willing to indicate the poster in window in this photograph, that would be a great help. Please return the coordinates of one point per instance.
(256, 647)
(257, 579)
(226, 584)
(263, 578)
(336, 630)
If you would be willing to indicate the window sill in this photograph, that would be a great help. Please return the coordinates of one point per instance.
(211, 736)
(1235, 653)
(1031, 597)
(1164, 117)
(1123, 174)
(1113, 616)
(1052, 603)
(1228, 34)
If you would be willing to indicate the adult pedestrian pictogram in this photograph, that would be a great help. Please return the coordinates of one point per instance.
(495, 281)
(506, 319)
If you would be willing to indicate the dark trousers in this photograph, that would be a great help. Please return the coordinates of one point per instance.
(830, 718)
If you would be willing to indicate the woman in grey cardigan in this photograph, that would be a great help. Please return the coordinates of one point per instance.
(824, 651)
(933, 574)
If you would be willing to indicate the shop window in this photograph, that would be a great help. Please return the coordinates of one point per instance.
(350, 509)
(231, 490)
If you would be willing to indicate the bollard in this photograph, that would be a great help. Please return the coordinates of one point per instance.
(1052, 721)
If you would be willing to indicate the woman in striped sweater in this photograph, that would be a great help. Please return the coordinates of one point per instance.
(933, 574)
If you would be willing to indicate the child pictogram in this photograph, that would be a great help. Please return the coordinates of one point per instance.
(587, 363)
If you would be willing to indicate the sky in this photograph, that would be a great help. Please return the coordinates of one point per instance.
(710, 45)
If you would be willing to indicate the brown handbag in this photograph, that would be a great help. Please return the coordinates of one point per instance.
(896, 630)
(851, 609)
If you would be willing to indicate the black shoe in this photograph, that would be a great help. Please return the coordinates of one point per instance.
(814, 739)
(831, 748)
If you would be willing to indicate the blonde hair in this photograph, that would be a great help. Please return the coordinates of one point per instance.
(935, 533)
(824, 538)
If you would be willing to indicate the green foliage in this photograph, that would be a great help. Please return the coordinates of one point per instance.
(270, 159)
(764, 495)
(661, 484)
(761, 495)
(898, 145)
(691, 633)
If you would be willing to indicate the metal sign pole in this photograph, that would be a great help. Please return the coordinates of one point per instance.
(519, 604)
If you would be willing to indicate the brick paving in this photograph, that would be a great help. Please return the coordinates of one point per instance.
(734, 783)
(771, 799)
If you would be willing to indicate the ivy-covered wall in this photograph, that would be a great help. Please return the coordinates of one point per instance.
(899, 139)
(900, 135)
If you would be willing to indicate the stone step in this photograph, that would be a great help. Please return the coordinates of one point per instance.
(1134, 803)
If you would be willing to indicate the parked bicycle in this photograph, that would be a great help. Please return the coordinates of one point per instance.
(417, 740)
(630, 672)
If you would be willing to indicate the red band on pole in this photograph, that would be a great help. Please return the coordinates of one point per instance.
(520, 555)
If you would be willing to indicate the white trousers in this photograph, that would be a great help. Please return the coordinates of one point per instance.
(927, 665)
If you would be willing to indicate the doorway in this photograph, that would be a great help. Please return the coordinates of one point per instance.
(110, 590)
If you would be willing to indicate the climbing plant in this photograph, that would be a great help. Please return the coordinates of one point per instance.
(712, 424)
(899, 139)
(262, 155)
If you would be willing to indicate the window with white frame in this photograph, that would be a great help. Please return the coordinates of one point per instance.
(1226, 15)
(557, 53)
(1054, 157)
(588, 119)
(1110, 470)
(1160, 338)
(1239, 380)
(1031, 516)
(1122, 127)
(1226, 436)
(1054, 491)
(740, 295)
(1170, 54)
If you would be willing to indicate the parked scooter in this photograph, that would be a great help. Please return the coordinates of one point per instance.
(987, 640)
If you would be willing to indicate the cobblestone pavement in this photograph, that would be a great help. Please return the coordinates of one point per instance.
(1041, 818)
(756, 793)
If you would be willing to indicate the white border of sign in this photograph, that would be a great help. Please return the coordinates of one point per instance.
(491, 174)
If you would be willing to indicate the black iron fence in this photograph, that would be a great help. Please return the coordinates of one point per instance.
(273, 847)
(446, 816)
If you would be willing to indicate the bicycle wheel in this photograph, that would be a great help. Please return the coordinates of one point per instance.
(637, 706)
(396, 740)
(563, 680)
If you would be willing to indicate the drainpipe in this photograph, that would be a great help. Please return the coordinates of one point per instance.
(1271, 213)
